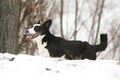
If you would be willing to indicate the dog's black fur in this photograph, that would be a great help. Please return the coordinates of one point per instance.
(58, 46)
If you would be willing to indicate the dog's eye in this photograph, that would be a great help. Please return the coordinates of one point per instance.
(36, 28)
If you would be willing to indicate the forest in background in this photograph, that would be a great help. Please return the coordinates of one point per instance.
(72, 19)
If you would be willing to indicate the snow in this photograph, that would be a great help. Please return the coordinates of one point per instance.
(26, 67)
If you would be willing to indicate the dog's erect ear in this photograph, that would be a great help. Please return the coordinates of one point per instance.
(48, 23)
(38, 22)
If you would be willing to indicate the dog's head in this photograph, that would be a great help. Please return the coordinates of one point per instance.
(43, 28)
(38, 29)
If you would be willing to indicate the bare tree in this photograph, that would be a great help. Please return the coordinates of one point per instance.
(61, 18)
(97, 14)
(92, 31)
(99, 20)
(76, 15)
(115, 41)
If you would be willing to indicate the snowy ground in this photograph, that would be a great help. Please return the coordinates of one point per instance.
(26, 67)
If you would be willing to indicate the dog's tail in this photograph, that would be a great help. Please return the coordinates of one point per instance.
(103, 43)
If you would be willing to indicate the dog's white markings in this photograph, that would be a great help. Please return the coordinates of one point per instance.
(31, 34)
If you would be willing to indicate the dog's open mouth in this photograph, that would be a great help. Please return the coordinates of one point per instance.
(32, 36)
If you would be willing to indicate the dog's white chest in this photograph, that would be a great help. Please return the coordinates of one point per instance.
(41, 47)
(44, 44)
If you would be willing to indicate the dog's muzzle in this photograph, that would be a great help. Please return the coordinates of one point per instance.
(31, 36)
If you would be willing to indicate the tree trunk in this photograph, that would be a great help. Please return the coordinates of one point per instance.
(9, 24)
(76, 14)
(61, 18)
(99, 20)
(92, 31)
(2, 32)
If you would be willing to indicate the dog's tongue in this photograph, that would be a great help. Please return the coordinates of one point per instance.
(31, 36)
(28, 36)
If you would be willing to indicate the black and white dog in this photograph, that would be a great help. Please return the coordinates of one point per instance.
(31, 34)
(58, 46)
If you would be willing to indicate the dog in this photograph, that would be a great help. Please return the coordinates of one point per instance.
(31, 34)
(72, 50)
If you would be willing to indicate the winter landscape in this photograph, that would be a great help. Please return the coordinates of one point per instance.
(82, 20)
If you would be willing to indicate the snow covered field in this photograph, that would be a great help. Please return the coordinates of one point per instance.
(26, 67)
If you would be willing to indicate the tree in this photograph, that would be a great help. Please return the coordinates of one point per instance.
(99, 20)
(61, 18)
(9, 25)
(76, 15)
(97, 14)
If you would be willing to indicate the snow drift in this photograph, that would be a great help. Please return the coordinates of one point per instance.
(26, 67)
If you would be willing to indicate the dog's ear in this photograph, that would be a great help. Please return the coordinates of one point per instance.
(48, 23)
(38, 22)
